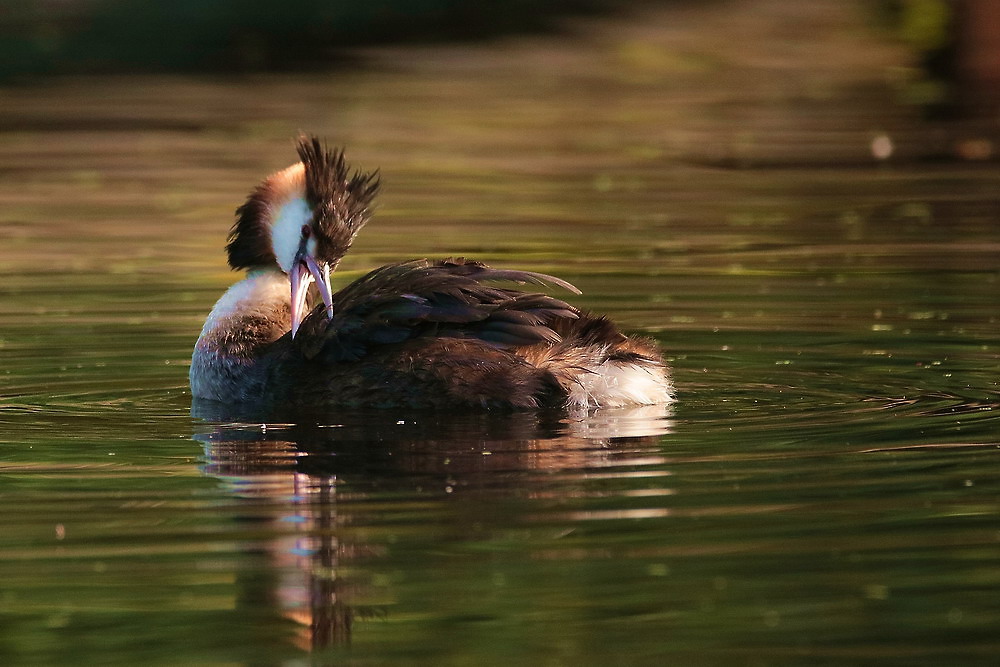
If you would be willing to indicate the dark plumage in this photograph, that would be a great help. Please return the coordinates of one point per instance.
(421, 298)
(341, 199)
(420, 334)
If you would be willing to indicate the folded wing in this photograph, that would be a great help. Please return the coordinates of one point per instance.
(448, 298)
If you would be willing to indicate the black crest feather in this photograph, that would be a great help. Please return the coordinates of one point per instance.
(341, 201)
(249, 239)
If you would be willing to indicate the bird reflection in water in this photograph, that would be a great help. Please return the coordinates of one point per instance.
(309, 483)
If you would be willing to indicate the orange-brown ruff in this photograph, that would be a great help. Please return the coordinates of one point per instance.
(417, 334)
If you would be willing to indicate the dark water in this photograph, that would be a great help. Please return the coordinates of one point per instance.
(825, 490)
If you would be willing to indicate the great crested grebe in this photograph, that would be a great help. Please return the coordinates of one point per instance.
(417, 334)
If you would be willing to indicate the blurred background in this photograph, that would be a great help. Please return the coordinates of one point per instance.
(933, 63)
(797, 200)
(952, 42)
(951, 59)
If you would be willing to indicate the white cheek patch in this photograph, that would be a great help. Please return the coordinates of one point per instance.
(286, 232)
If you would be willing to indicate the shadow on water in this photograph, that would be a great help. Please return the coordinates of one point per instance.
(316, 480)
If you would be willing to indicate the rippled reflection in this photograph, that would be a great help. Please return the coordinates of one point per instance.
(317, 481)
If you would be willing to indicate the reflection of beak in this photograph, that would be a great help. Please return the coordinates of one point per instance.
(305, 270)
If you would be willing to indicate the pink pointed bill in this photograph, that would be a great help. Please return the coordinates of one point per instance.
(305, 271)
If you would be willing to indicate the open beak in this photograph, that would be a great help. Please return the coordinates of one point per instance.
(306, 270)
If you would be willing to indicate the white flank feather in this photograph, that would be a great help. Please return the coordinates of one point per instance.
(616, 384)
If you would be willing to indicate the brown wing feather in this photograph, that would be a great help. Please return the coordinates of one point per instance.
(398, 302)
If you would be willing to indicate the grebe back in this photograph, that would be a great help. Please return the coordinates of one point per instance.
(415, 334)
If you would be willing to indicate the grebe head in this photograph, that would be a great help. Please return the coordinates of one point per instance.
(303, 219)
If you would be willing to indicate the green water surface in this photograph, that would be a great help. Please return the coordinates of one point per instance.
(824, 491)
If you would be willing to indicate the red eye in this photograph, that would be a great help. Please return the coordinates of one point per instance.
(306, 231)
